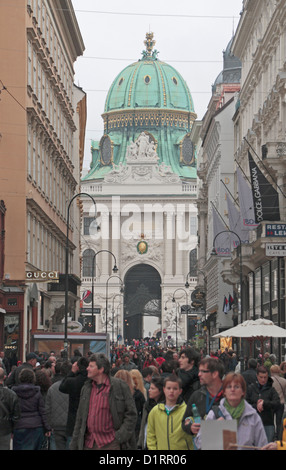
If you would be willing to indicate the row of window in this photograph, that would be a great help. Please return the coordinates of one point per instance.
(40, 84)
(46, 173)
(45, 23)
(44, 250)
(88, 269)
(266, 285)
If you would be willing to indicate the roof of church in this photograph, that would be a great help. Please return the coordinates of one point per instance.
(147, 96)
(149, 83)
(231, 72)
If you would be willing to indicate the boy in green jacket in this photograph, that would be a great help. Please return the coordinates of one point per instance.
(164, 430)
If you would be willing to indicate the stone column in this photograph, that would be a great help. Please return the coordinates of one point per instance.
(105, 260)
(169, 234)
(179, 245)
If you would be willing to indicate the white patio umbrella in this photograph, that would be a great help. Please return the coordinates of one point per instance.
(260, 329)
(254, 329)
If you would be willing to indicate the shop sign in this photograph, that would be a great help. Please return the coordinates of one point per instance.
(42, 276)
(275, 230)
(275, 249)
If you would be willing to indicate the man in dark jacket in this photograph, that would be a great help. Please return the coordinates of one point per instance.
(107, 415)
(9, 412)
(249, 375)
(211, 372)
(31, 361)
(264, 398)
(188, 372)
(72, 385)
(57, 407)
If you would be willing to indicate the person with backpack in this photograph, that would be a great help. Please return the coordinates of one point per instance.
(250, 429)
(211, 372)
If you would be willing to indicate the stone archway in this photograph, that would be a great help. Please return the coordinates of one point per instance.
(142, 300)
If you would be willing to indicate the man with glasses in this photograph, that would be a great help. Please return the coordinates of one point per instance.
(211, 372)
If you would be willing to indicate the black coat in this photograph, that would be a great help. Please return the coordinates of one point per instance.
(72, 385)
(250, 376)
(32, 405)
(139, 400)
(190, 381)
(9, 410)
(13, 378)
(201, 399)
(270, 397)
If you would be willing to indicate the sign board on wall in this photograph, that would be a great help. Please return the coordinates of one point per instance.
(275, 249)
(275, 230)
(42, 276)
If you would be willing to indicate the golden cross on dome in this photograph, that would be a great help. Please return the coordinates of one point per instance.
(149, 43)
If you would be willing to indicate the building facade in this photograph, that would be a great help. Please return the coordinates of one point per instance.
(216, 185)
(143, 177)
(259, 132)
(42, 136)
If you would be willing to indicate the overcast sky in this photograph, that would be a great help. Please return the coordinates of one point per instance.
(190, 35)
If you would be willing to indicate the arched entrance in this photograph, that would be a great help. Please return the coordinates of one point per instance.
(142, 302)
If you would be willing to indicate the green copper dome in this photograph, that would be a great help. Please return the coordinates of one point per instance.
(147, 96)
(149, 83)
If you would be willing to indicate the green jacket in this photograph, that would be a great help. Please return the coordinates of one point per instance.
(122, 409)
(164, 432)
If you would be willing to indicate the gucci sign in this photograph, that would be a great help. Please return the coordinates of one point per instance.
(42, 276)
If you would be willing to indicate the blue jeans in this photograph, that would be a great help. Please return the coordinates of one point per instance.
(270, 431)
(28, 439)
(59, 441)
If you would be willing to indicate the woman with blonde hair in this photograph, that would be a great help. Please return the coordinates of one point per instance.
(126, 377)
(138, 396)
(138, 381)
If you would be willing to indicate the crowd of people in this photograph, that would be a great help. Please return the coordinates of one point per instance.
(142, 397)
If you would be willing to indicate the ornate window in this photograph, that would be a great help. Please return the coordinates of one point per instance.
(147, 79)
(187, 153)
(106, 150)
(87, 259)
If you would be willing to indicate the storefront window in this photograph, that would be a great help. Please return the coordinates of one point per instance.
(282, 278)
(266, 283)
(257, 278)
(11, 337)
(250, 291)
(274, 280)
(84, 342)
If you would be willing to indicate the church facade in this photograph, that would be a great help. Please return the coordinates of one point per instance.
(139, 242)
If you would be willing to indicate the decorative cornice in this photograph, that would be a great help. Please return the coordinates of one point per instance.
(147, 117)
